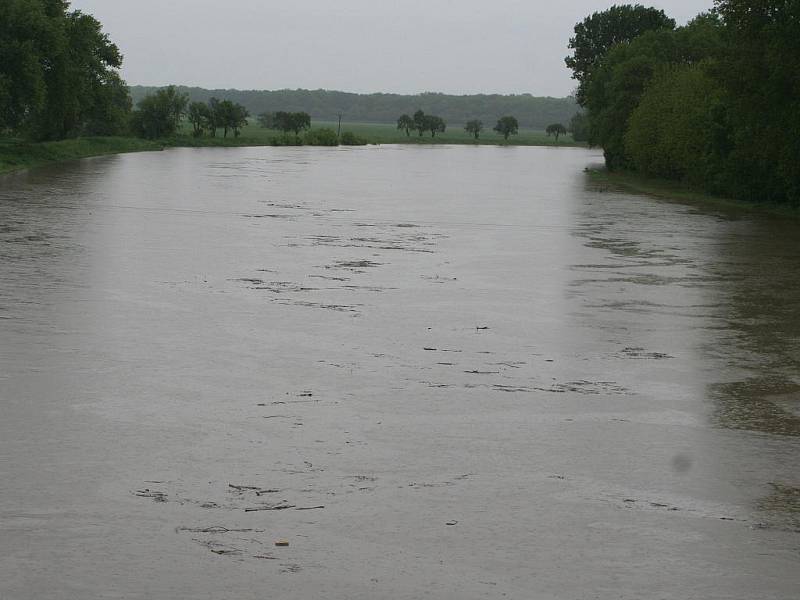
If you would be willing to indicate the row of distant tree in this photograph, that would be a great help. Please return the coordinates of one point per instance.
(327, 105)
(159, 115)
(286, 121)
(506, 126)
(715, 103)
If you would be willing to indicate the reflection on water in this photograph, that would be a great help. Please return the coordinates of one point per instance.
(391, 356)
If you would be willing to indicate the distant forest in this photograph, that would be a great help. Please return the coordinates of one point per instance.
(324, 105)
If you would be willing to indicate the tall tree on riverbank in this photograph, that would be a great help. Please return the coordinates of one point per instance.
(715, 103)
(474, 127)
(159, 115)
(405, 123)
(601, 31)
(507, 126)
(434, 124)
(58, 72)
(556, 129)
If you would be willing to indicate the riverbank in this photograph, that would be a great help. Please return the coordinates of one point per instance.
(16, 154)
(675, 190)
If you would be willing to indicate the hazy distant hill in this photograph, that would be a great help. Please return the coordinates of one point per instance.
(324, 105)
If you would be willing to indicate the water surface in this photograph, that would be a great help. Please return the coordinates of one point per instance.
(496, 378)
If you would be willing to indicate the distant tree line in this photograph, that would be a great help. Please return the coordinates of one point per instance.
(421, 123)
(325, 105)
(159, 115)
(298, 122)
(58, 73)
(715, 103)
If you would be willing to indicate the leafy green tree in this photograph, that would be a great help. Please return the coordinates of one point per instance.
(601, 31)
(406, 123)
(759, 72)
(215, 116)
(267, 120)
(58, 72)
(617, 84)
(159, 115)
(474, 127)
(231, 116)
(507, 126)
(292, 121)
(579, 127)
(556, 129)
(671, 133)
(434, 124)
(25, 34)
(324, 136)
(420, 123)
(199, 115)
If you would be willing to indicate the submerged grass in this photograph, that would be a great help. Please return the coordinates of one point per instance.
(18, 154)
(679, 191)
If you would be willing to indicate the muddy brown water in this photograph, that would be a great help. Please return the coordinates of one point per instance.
(479, 373)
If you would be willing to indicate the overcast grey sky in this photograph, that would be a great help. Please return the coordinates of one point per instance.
(405, 46)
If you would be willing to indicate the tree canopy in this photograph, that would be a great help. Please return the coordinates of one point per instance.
(159, 115)
(556, 129)
(507, 126)
(713, 103)
(58, 72)
(601, 31)
(474, 127)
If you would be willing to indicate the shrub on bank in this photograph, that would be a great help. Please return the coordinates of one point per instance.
(351, 139)
(321, 137)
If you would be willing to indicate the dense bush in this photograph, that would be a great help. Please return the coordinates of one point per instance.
(715, 103)
(351, 139)
(323, 136)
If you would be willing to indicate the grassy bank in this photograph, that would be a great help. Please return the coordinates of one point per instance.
(16, 154)
(675, 190)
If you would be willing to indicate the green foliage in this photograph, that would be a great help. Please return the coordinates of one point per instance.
(474, 127)
(579, 127)
(159, 115)
(326, 105)
(16, 154)
(199, 115)
(672, 131)
(759, 72)
(323, 136)
(556, 129)
(58, 73)
(421, 123)
(351, 139)
(434, 124)
(267, 120)
(601, 31)
(406, 123)
(616, 86)
(230, 116)
(292, 121)
(714, 103)
(507, 126)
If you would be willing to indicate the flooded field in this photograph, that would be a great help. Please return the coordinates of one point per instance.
(436, 372)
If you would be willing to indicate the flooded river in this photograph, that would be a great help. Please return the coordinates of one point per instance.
(437, 372)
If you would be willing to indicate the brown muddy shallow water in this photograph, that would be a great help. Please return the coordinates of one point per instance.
(437, 372)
